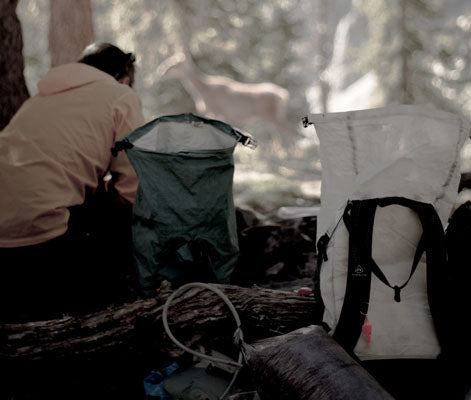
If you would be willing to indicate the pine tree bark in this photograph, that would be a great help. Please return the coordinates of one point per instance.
(13, 90)
(70, 30)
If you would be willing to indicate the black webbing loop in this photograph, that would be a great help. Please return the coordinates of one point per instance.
(246, 140)
(397, 293)
(121, 145)
(359, 220)
(321, 257)
(322, 248)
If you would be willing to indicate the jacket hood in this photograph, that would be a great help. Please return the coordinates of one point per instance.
(69, 76)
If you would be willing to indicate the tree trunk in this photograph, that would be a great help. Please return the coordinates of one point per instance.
(13, 90)
(405, 54)
(70, 30)
(324, 52)
(199, 316)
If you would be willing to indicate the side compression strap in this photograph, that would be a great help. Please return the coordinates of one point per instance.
(321, 258)
(359, 220)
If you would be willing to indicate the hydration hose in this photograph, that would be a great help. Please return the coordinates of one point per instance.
(238, 334)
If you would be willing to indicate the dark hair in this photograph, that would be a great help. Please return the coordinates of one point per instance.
(110, 59)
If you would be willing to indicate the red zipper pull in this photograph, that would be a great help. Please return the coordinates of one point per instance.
(366, 329)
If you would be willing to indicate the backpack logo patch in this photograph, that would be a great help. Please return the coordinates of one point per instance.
(359, 271)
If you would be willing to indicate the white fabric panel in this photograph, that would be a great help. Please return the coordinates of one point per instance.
(405, 151)
(174, 137)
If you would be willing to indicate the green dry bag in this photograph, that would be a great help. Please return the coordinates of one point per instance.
(184, 226)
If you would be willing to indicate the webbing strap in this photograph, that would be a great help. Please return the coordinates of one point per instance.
(397, 289)
(357, 293)
(359, 220)
(321, 257)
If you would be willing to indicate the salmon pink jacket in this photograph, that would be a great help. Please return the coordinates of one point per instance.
(57, 147)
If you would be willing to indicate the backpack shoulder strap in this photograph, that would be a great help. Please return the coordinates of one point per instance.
(357, 293)
(359, 220)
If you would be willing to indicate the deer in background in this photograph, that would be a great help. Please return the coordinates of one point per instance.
(235, 103)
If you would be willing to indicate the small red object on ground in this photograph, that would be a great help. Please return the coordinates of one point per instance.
(304, 291)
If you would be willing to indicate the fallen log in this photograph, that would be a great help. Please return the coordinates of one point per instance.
(308, 364)
(198, 316)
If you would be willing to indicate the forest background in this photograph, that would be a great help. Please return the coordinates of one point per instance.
(330, 56)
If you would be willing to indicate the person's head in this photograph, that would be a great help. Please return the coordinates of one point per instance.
(110, 59)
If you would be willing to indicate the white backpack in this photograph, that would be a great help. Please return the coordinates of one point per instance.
(389, 183)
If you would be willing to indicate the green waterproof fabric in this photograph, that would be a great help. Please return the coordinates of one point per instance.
(184, 225)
